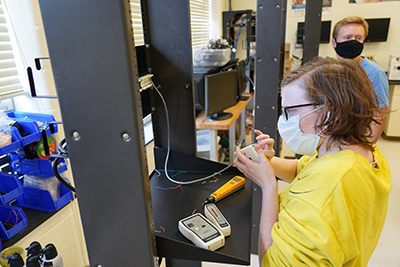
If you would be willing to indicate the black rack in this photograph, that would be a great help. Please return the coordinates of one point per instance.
(99, 98)
(250, 24)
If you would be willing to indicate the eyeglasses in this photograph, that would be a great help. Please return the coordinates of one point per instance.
(285, 109)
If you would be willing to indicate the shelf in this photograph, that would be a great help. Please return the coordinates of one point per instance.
(171, 205)
(35, 218)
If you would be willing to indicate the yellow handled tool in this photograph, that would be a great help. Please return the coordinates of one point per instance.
(227, 189)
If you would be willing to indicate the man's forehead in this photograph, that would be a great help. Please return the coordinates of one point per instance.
(352, 29)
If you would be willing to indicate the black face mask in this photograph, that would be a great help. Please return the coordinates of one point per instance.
(349, 49)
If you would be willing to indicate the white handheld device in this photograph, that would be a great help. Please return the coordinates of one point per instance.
(201, 232)
(215, 216)
(250, 152)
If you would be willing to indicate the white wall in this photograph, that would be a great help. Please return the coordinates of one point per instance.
(32, 44)
(339, 10)
(216, 19)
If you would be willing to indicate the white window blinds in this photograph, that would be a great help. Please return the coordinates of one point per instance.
(137, 25)
(9, 81)
(199, 19)
(200, 22)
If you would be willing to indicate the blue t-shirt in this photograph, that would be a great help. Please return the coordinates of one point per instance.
(378, 79)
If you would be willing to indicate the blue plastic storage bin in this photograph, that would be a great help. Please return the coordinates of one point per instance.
(10, 187)
(40, 199)
(31, 130)
(13, 216)
(15, 142)
(43, 119)
(37, 167)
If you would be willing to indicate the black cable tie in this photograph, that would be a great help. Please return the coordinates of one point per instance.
(45, 143)
(51, 126)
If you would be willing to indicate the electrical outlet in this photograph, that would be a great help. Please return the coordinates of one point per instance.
(371, 57)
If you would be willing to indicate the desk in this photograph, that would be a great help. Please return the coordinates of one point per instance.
(203, 123)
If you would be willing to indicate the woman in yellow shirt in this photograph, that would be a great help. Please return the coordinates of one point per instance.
(333, 211)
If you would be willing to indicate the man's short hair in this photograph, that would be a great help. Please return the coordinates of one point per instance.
(349, 20)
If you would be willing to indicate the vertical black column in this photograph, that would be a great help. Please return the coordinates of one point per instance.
(93, 59)
(168, 34)
(270, 41)
(167, 31)
(312, 30)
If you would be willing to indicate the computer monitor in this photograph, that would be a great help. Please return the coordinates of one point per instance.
(199, 74)
(324, 35)
(242, 80)
(325, 32)
(199, 90)
(378, 30)
(220, 94)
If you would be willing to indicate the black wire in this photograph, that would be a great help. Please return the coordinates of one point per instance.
(58, 176)
(63, 148)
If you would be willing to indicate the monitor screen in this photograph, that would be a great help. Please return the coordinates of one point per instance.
(220, 94)
(199, 97)
(242, 80)
(378, 30)
(325, 32)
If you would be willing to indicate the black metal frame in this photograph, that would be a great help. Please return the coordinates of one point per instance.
(312, 30)
(167, 31)
(270, 36)
(226, 18)
(94, 64)
(99, 98)
(96, 79)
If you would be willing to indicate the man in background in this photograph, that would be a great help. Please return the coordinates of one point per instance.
(348, 41)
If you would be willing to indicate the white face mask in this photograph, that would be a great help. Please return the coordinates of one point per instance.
(299, 142)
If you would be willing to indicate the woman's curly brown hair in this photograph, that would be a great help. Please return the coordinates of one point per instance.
(350, 103)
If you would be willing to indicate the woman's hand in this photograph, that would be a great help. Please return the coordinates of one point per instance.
(266, 143)
(262, 172)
